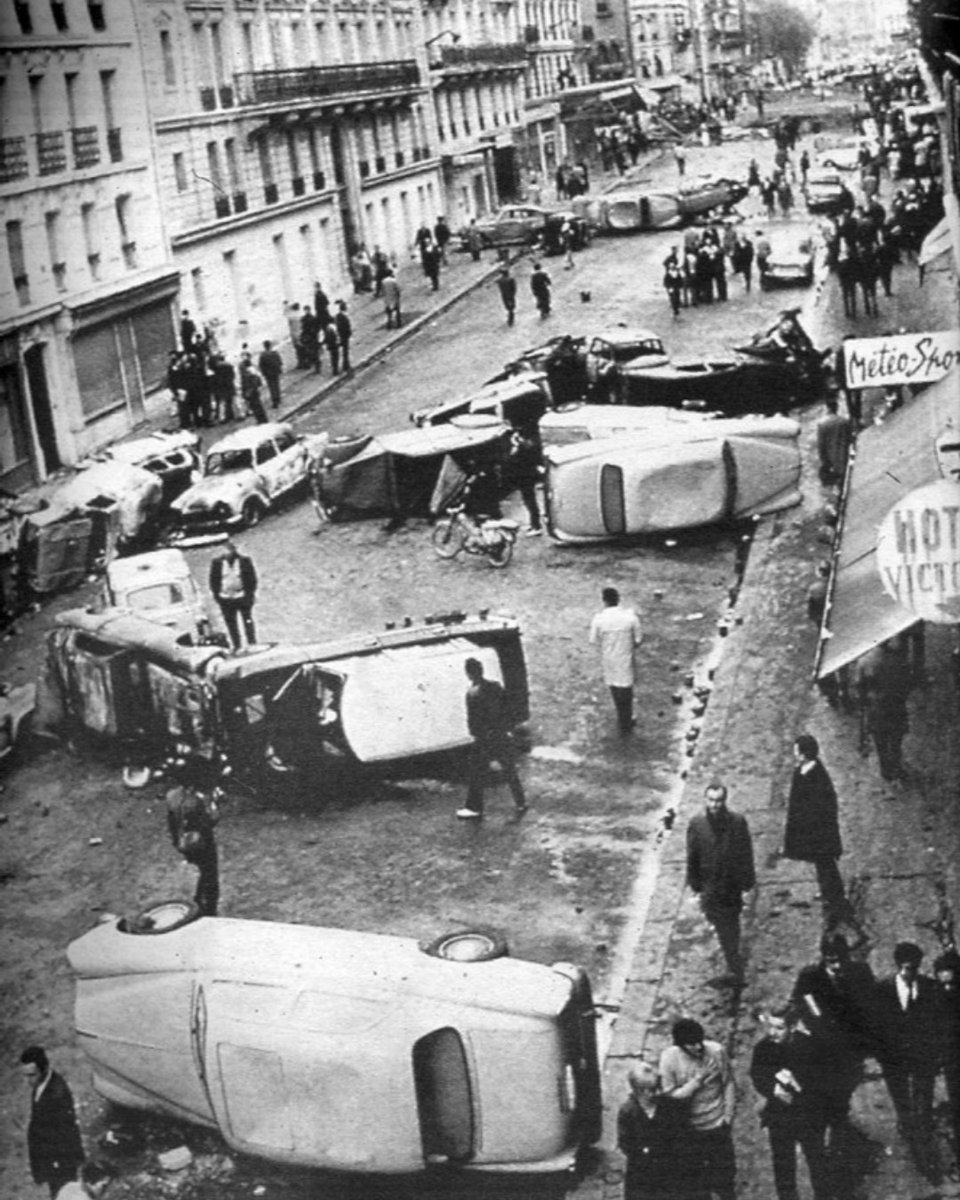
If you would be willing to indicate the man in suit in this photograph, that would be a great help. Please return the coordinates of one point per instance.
(233, 582)
(489, 726)
(910, 1043)
(719, 870)
(54, 1146)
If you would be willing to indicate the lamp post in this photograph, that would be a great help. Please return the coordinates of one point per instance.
(701, 47)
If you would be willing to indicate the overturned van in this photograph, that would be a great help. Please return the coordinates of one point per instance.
(379, 701)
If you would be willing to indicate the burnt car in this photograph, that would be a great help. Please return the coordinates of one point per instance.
(526, 224)
(708, 193)
(518, 401)
(350, 1051)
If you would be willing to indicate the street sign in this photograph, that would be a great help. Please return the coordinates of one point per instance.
(918, 552)
(915, 358)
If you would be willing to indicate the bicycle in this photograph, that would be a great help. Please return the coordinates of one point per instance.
(457, 532)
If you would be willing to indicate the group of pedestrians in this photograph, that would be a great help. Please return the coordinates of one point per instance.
(318, 329)
(697, 272)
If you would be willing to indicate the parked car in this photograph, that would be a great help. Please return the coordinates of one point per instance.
(629, 209)
(576, 423)
(159, 586)
(601, 490)
(245, 475)
(173, 457)
(827, 193)
(791, 259)
(843, 154)
(524, 224)
(356, 1052)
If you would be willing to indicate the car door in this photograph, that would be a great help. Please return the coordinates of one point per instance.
(512, 225)
(269, 467)
(293, 460)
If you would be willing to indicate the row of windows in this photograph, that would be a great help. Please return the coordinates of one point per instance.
(90, 220)
(468, 110)
(64, 17)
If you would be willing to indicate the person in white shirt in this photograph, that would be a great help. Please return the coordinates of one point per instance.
(616, 630)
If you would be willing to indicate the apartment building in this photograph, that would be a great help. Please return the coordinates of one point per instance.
(477, 59)
(288, 133)
(553, 31)
(85, 284)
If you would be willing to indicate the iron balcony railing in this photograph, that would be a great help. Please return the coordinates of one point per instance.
(51, 152)
(86, 146)
(312, 83)
(484, 54)
(13, 159)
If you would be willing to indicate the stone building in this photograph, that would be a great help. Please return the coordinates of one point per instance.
(288, 134)
(477, 62)
(85, 319)
(553, 31)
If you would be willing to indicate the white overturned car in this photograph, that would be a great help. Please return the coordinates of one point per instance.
(350, 1051)
(245, 475)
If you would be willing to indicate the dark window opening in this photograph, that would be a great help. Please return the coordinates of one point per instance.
(612, 506)
(444, 1097)
(59, 11)
(97, 19)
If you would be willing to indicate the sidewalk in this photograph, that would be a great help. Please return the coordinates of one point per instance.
(901, 839)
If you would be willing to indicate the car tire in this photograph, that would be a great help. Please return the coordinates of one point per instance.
(163, 916)
(467, 946)
(252, 513)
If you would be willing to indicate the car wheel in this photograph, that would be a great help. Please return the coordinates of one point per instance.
(467, 946)
(251, 513)
(163, 916)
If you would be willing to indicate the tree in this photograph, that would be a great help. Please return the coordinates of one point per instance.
(782, 31)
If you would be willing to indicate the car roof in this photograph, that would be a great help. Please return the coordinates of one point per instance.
(620, 336)
(168, 563)
(140, 450)
(251, 436)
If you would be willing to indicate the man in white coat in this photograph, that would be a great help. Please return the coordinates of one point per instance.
(616, 630)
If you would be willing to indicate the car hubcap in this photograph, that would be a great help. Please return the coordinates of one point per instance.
(466, 947)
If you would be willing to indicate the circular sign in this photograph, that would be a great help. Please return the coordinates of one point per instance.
(918, 552)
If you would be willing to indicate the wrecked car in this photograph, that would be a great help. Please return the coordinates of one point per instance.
(357, 1052)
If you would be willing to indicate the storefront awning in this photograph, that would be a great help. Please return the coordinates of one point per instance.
(936, 242)
(892, 459)
(662, 83)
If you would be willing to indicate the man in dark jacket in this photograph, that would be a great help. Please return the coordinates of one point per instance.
(651, 1135)
(54, 1145)
(812, 832)
(345, 331)
(785, 1073)
(947, 972)
(507, 286)
(883, 684)
(910, 1043)
(233, 582)
(191, 818)
(270, 365)
(541, 287)
(488, 723)
(836, 998)
(719, 870)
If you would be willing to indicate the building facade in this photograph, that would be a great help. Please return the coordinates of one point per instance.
(477, 59)
(289, 134)
(85, 289)
(553, 32)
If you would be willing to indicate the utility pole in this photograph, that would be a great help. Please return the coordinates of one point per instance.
(701, 46)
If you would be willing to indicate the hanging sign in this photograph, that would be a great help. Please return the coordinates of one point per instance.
(918, 552)
(903, 358)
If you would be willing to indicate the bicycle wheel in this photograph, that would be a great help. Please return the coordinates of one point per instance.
(447, 538)
(501, 552)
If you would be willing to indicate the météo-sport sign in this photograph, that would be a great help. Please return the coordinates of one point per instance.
(918, 552)
(903, 358)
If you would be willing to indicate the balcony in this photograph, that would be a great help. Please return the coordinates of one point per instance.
(483, 56)
(51, 152)
(313, 83)
(115, 145)
(13, 159)
(86, 146)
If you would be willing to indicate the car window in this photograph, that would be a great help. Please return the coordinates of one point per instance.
(157, 595)
(222, 462)
(285, 439)
(444, 1098)
(266, 451)
(601, 348)
(612, 508)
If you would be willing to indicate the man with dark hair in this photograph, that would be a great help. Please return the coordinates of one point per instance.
(616, 630)
(233, 582)
(345, 332)
(507, 286)
(270, 365)
(812, 832)
(54, 1145)
(909, 1046)
(719, 870)
(489, 726)
(698, 1072)
(836, 998)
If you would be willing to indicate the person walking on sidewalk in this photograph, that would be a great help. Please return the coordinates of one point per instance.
(784, 1074)
(391, 299)
(836, 998)
(834, 438)
(883, 684)
(431, 257)
(698, 1072)
(542, 288)
(812, 832)
(910, 1044)
(442, 235)
(489, 726)
(650, 1136)
(332, 344)
(270, 365)
(344, 327)
(720, 870)
(507, 287)
(616, 630)
(233, 584)
(250, 388)
(673, 284)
